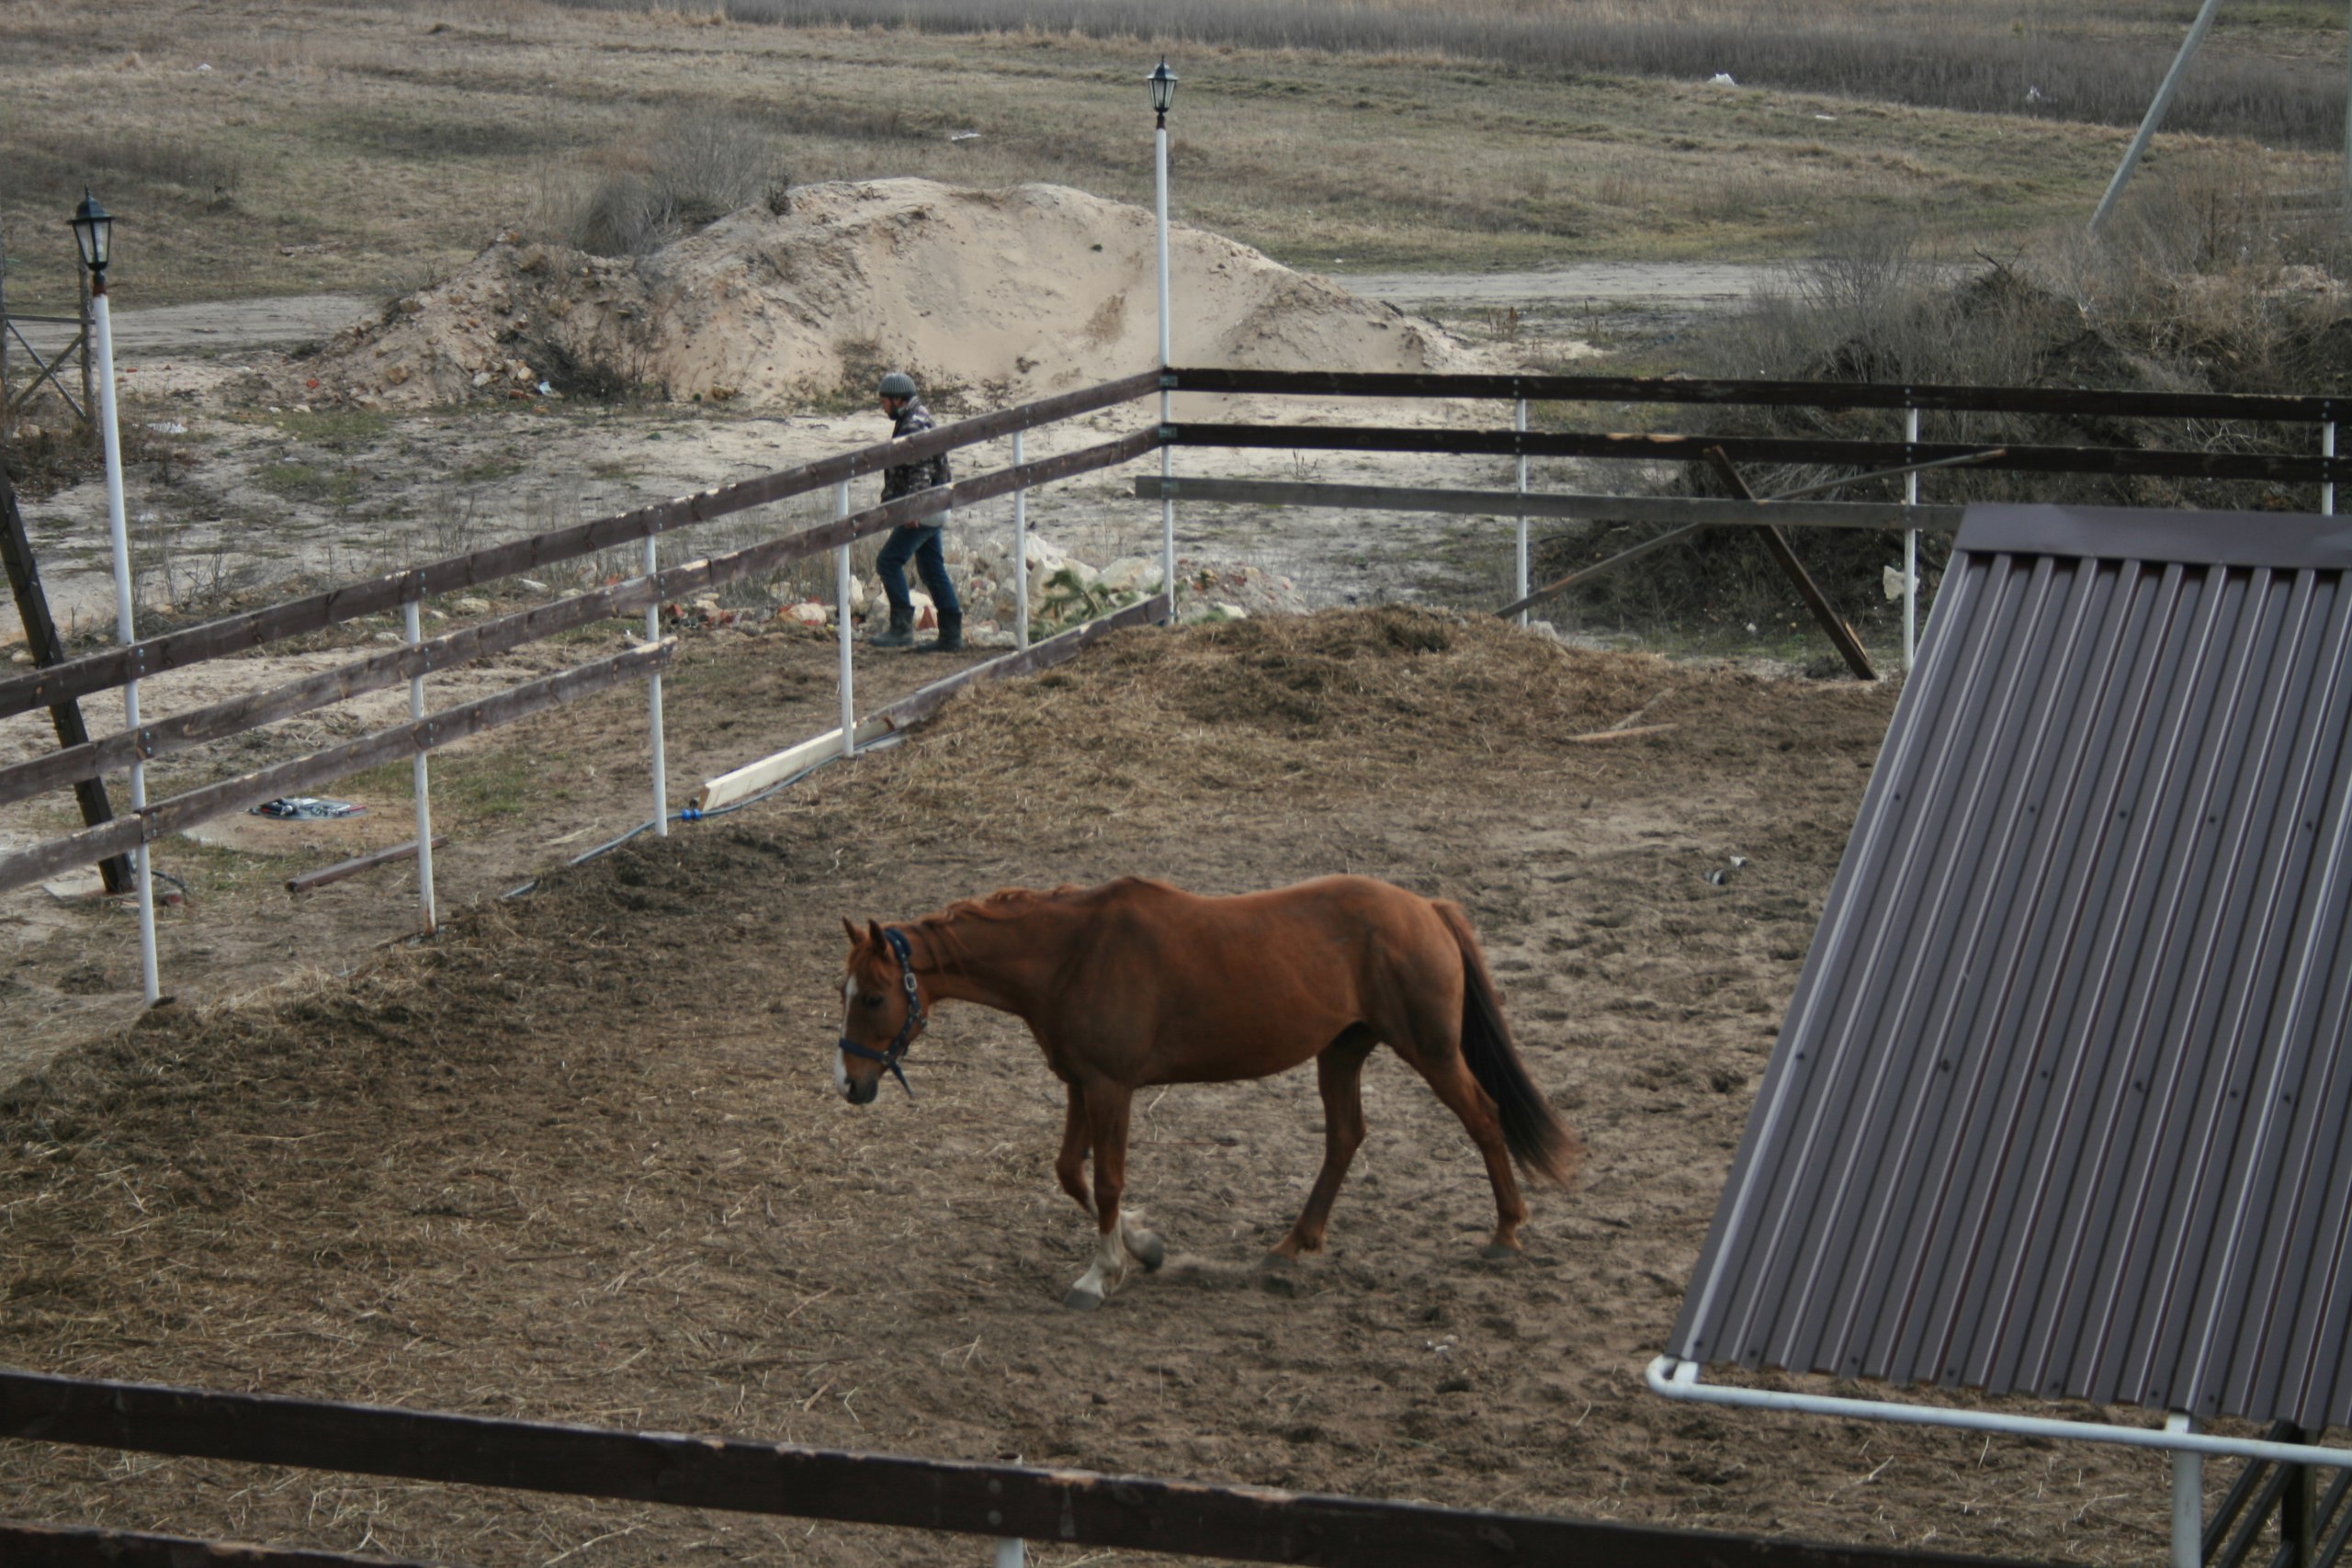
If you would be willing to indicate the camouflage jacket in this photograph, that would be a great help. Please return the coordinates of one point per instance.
(908, 478)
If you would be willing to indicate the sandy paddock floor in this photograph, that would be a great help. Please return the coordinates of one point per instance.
(581, 1157)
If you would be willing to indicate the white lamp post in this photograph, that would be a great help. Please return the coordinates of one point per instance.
(1163, 94)
(93, 233)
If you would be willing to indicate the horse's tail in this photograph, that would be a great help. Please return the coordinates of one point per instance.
(1543, 1146)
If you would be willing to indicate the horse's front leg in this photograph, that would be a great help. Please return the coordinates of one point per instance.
(1106, 1120)
(1070, 1166)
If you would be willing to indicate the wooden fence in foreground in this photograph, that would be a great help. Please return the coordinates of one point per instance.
(1007, 1503)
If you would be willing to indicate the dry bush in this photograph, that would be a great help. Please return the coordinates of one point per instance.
(699, 166)
(2197, 286)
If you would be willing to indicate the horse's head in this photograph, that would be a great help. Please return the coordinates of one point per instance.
(881, 1013)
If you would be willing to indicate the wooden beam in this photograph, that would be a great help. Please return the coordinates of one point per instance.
(61, 1546)
(2252, 407)
(2156, 462)
(1068, 1507)
(308, 773)
(255, 628)
(1559, 586)
(49, 648)
(357, 863)
(1776, 543)
(1668, 509)
(753, 777)
(741, 783)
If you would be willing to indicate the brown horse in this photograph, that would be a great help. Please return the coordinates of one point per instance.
(1135, 983)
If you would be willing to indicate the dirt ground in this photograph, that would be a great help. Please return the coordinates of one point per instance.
(580, 1157)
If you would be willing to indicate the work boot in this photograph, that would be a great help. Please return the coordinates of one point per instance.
(951, 635)
(901, 633)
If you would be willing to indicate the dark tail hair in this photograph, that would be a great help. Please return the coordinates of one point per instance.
(1543, 1146)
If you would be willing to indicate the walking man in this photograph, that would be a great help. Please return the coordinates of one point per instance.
(917, 541)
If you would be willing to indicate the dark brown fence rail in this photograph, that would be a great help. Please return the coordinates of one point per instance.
(237, 634)
(1064, 1507)
(2152, 462)
(2258, 408)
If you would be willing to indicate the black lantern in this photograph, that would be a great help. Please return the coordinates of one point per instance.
(93, 231)
(1163, 90)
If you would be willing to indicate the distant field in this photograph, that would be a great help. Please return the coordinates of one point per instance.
(369, 145)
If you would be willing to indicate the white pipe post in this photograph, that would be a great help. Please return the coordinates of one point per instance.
(1167, 401)
(1020, 555)
(841, 599)
(2187, 1500)
(2156, 105)
(419, 774)
(2327, 449)
(118, 532)
(1011, 1553)
(1910, 545)
(1518, 424)
(653, 692)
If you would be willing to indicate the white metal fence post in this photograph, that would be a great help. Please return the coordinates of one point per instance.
(1518, 424)
(2327, 449)
(1011, 1553)
(1020, 555)
(420, 782)
(2188, 1499)
(653, 693)
(1910, 545)
(841, 599)
(119, 528)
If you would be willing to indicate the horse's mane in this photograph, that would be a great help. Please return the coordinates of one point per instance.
(1004, 904)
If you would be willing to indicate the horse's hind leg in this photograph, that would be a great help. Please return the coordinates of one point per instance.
(1106, 1117)
(1338, 1073)
(1451, 1079)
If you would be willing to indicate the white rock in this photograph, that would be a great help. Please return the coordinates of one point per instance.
(470, 606)
(1132, 574)
(807, 612)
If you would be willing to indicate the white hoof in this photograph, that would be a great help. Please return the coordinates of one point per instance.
(1082, 1298)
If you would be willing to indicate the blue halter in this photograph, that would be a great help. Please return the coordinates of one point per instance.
(898, 1048)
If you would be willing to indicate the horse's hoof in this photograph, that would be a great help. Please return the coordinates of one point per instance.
(1149, 1250)
(1278, 1260)
(1496, 1252)
(1082, 1299)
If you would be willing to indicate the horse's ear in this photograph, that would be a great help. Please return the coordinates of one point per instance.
(874, 934)
(850, 932)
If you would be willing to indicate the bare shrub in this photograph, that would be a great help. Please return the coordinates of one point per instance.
(699, 166)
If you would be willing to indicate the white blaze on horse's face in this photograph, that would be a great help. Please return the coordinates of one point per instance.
(849, 1087)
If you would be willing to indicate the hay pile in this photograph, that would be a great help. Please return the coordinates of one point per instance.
(1011, 293)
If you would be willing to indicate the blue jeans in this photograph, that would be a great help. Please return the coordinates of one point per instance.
(921, 544)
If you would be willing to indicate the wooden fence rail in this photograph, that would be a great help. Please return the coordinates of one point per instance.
(256, 628)
(1065, 1506)
(2253, 407)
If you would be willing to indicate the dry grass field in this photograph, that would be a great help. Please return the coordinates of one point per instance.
(254, 148)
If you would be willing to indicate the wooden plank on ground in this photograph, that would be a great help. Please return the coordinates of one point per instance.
(753, 777)
(303, 774)
(326, 874)
(747, 781)
(1068, 1507)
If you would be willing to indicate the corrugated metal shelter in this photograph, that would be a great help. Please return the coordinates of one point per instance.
(2061, 1102)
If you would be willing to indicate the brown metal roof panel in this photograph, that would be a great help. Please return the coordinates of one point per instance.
(2006, 1139)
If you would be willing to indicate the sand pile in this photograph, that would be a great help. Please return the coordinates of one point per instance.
(1009, 293)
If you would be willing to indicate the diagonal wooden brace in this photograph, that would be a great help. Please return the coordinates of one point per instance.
(41, 637)
(1849, 645)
